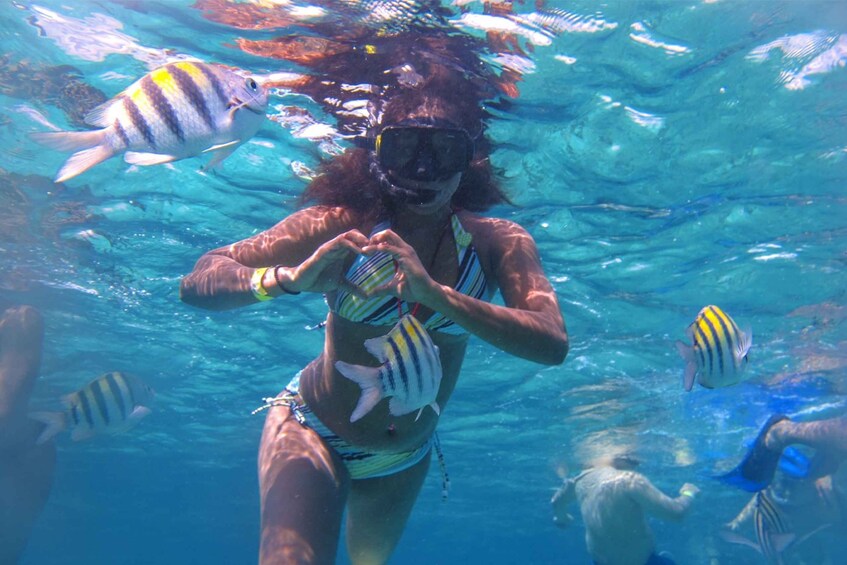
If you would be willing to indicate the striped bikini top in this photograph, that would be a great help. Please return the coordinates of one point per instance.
(369, 272)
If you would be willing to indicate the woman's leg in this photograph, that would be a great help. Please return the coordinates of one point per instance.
(378, 510)
(820, 434)
(303, 486)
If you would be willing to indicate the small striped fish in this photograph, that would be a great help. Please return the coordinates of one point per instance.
(718, 354)
(410, 372)
(774, 531)
(177, 111)
(110, 404)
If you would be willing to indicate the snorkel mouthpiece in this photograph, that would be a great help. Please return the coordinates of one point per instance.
(395, 193)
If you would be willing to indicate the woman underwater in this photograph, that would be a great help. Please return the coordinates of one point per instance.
(393, 229)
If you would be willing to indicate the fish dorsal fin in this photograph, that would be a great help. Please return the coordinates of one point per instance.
(99, 115)
(376, 347)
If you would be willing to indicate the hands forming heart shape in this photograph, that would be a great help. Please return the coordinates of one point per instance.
(323, 271)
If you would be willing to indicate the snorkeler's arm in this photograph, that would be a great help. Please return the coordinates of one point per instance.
(530, 325)
(320, 238)
(658, 504)
(564, 495)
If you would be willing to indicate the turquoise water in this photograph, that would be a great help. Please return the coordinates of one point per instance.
(665, 155)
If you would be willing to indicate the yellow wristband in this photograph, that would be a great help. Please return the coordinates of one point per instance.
(256, 286)
(688, 493)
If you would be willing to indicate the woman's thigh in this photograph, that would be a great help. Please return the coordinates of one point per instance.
(303, 487)
(378, 511)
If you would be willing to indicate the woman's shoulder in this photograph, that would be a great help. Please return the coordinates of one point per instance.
(328, 219)
(488, 231)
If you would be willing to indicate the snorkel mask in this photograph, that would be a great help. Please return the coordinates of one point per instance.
(424, 151)
(420, 151)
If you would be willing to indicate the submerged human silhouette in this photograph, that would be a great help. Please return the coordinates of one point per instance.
(26, 469)
(615, 502)
(828, 437)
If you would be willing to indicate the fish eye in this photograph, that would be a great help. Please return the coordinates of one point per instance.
(251, 84)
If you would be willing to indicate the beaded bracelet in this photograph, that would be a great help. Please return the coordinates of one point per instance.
(256, 287)
(279, 282)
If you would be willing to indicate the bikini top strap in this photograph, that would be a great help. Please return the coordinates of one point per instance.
(460, 234)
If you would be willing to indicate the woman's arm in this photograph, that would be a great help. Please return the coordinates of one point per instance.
(311, 245)
(530, 325)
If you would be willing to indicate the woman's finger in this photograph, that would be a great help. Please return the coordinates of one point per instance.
(345, 246)
(387, 236)
(356, 237)
(335, 249)
(370, 249)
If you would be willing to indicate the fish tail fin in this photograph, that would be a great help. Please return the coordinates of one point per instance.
(90, 149)
(54, 422)
(368, 379)
(69, 140)
(687, 353)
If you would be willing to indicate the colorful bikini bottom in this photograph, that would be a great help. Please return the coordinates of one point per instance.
(361, 463)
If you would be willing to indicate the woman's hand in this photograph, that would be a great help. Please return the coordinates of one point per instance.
(411, 282)
(323, 271)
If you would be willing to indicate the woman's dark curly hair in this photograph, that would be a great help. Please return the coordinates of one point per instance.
(445, 95)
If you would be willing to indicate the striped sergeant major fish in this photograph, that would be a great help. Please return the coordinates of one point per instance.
(108, 405)
(410, 373)
(774, 531)
(718, 354)
(176, 111)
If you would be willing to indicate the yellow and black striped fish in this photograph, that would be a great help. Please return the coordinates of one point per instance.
(717, 356)
(177, 111)
(110, 404)
(410, 372)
